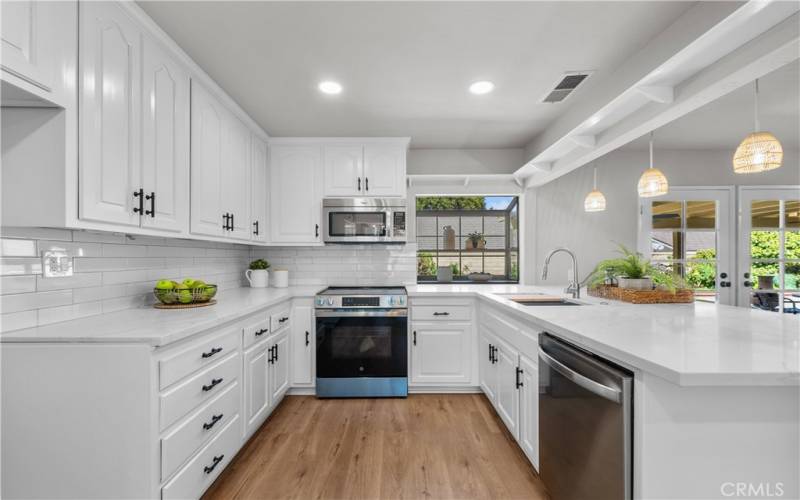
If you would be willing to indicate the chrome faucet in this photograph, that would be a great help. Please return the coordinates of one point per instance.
(574, 286)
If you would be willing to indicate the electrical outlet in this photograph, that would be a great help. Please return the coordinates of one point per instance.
(56, 264)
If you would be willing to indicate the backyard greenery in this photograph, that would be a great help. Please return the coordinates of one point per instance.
(451, 202)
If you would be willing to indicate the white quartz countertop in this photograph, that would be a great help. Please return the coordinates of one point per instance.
(687, 344)
(159, 327)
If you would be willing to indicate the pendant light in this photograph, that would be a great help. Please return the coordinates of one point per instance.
(759, 151)
(652, 182)
(595, 201)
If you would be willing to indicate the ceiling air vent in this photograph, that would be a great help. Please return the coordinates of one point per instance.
(564, 88)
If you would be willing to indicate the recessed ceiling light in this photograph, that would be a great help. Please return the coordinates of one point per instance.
(330, 87)
(482, 87)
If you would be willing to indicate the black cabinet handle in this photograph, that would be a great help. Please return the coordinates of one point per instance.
(283, 319)
(152, 198)
(359, 183)
(414, 340)
(225, 225)
(255, 231)
(518, 381)
(261, 332)
(272, 356)
(213, 422)
(212, 352)
(441, 314)
(490, 352)
(214, 382)
(139, 194)
(214, 464)
(307, 341)
(316, 230)
(233, 224)
(366, 183)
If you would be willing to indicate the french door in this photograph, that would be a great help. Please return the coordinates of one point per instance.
(769, 248)
(689, 231)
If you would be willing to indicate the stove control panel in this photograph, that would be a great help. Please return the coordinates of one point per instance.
(360, 301)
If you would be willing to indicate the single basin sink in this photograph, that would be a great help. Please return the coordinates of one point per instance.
(547, 302)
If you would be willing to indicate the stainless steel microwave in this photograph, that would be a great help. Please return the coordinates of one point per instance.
(364, 220)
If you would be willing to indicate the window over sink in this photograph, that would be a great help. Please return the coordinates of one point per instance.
(476, 237)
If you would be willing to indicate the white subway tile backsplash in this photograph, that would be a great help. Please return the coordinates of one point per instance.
(18, 321)
(66, 313)
(36, 300)
(37, 233)
(17, 284)
(74, 249)
(18, 248)
(78, 280)
(98, 237)
(117, 250)
(12, 266)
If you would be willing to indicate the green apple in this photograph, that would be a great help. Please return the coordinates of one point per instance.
(185, 296)
(188, 282)
(165, 285)
(198, 284)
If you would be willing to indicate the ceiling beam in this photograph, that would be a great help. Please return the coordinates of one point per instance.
(661, 95)
(584, 141)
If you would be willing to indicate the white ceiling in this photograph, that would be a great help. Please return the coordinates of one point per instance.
(723, 123)
(405, 66)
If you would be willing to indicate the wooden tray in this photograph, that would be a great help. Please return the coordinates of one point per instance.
(159, 305)
(681, 296)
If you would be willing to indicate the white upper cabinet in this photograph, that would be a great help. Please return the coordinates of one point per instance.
(364, 167)
(38, 51)
(384, 170)
(295, 187)
(110, 76)
(235, 178)
(344, 170)
(165, 140)
(258, 191)
(207, 125)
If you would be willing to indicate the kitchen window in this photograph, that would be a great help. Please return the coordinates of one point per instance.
(468, 234)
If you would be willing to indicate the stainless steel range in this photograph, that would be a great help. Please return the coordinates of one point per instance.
(362, 342)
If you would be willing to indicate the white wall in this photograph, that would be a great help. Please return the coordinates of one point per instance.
(464, 161)
(556, 208)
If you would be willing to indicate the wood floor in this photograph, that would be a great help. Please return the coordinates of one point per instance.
(424, 447)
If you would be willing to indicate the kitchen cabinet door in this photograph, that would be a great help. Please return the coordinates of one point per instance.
(206, 163)
(235, 178)
(258, 193)
(295, 194)
(440, 353)
(343, 170)
(529, 409)
(487, 372)
(109, 114)
(279, 376)
(303, 346)
(256, 386)
(21, 50)
(507, 402)
(165, 141)
(384, 170)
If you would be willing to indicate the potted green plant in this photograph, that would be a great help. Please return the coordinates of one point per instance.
(257, 274)
(635, 272)
(475, 241)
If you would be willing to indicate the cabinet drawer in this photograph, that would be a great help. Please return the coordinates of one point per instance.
(199, 355)
(280, 319)
(204, 468)
(189, 394)
(440, 313)
(181, 443)
(256, 329)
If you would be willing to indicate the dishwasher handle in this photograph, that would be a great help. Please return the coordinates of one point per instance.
(610, 393)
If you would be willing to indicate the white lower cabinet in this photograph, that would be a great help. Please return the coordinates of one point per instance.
(279, 369)
(509, 378)
(256, 386)
(303, 345)
(440, 353)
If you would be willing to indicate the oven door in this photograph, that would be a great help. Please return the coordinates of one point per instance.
(362, 352)
(358, 225)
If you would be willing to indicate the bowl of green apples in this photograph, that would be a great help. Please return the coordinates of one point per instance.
(186, 293)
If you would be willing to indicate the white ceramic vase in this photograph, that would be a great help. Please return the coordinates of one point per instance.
(258, 278)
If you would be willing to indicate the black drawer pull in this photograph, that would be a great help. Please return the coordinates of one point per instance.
(217, 460)
(212, 352)
(214, 382)
(307, 341)
(283, 320)
(441, 314)
(214, 420)
(261, 332)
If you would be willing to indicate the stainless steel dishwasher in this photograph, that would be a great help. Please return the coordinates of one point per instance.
(585, 423)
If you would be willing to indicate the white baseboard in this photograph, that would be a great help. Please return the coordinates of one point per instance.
(468, 389)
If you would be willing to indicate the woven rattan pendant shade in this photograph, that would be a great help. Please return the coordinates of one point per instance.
(652, 182)
(594, 201)
(759, 151)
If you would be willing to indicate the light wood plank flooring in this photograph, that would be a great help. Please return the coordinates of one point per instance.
(424, 447)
